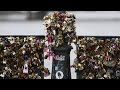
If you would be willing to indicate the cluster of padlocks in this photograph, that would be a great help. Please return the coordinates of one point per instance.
(60, 27)
(22, 57)
(98, 58)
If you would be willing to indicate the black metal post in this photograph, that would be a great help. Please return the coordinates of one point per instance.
(61, 62)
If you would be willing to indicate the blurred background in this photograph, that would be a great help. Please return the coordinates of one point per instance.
(22, 15)
(88, 23)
